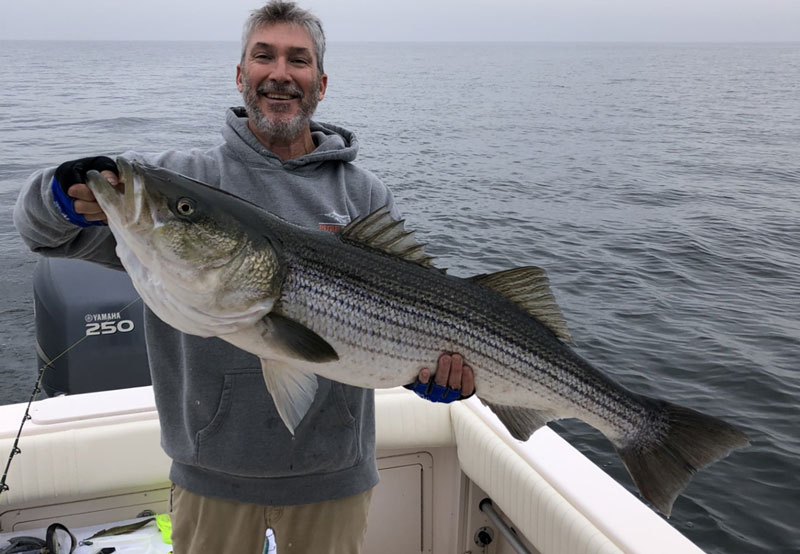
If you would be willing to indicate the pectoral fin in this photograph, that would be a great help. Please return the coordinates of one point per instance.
(295, 340)
(292, 391)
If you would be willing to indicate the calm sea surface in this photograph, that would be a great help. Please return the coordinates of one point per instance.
(659, 185)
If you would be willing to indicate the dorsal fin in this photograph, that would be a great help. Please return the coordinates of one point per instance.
(381, 231)
(529, 288)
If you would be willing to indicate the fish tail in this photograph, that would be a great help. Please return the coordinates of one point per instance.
(673, 444)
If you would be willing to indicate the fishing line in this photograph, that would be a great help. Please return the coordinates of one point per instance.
(37, 388)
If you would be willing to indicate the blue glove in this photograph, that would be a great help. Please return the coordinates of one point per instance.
(69, 173)
(435, 393)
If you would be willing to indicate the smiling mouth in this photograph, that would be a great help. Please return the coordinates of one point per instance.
(279, 96)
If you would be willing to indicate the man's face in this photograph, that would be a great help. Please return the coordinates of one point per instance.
(279, 81)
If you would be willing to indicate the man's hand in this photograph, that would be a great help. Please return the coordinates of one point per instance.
(74, 197)
(452, 381)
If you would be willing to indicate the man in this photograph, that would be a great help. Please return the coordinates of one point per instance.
(236, 470)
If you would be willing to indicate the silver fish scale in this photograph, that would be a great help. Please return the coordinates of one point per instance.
(388, 318)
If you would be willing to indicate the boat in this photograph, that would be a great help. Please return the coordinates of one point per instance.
(453, 480)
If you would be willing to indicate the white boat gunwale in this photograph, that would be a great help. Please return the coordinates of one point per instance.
(90, 447)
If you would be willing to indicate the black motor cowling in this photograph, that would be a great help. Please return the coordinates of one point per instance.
(89, 323)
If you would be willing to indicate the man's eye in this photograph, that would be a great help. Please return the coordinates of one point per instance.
(300, 61)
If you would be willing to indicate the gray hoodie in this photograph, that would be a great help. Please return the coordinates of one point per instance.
(218, 423)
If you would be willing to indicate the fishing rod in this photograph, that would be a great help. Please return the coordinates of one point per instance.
(37, 388)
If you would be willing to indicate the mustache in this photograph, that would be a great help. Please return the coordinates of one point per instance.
(280, 88)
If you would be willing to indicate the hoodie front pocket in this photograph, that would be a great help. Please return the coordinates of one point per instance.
(247, 437)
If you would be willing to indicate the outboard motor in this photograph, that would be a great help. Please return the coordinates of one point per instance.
(83, 323)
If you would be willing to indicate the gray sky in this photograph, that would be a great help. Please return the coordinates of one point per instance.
(427, 20)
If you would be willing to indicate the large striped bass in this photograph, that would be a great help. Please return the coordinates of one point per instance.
(366, 307)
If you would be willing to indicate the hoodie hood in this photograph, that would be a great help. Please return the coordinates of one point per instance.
(333, 143)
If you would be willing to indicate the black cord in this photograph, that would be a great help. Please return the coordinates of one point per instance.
(15, 448)
(37, 388)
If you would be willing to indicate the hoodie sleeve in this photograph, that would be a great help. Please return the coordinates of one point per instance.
(45, 230)
(381, 196)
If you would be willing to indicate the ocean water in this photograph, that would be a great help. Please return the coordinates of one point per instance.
(659, 185)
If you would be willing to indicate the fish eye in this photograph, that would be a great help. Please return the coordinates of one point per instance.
(185, 206)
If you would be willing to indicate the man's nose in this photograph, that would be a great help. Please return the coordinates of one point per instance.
(280, 70)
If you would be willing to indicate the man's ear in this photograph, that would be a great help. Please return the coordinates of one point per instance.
(239, 77)
(323, 86)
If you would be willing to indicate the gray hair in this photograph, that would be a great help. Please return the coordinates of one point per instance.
(278, 11)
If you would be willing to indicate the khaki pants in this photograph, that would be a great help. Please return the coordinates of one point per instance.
(206, 525)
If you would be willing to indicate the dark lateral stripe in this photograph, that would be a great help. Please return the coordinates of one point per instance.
(409, 308)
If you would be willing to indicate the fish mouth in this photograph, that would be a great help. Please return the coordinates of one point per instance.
(135, 193)
(125, 205)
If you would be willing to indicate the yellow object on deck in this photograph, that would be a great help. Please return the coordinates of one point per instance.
(165, 526)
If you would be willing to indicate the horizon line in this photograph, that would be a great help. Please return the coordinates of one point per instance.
(429, 41)
(329, 41)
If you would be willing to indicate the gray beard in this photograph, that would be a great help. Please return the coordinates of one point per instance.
(280, 130)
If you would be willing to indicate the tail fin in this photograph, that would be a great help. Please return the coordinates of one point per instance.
(663, 457)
